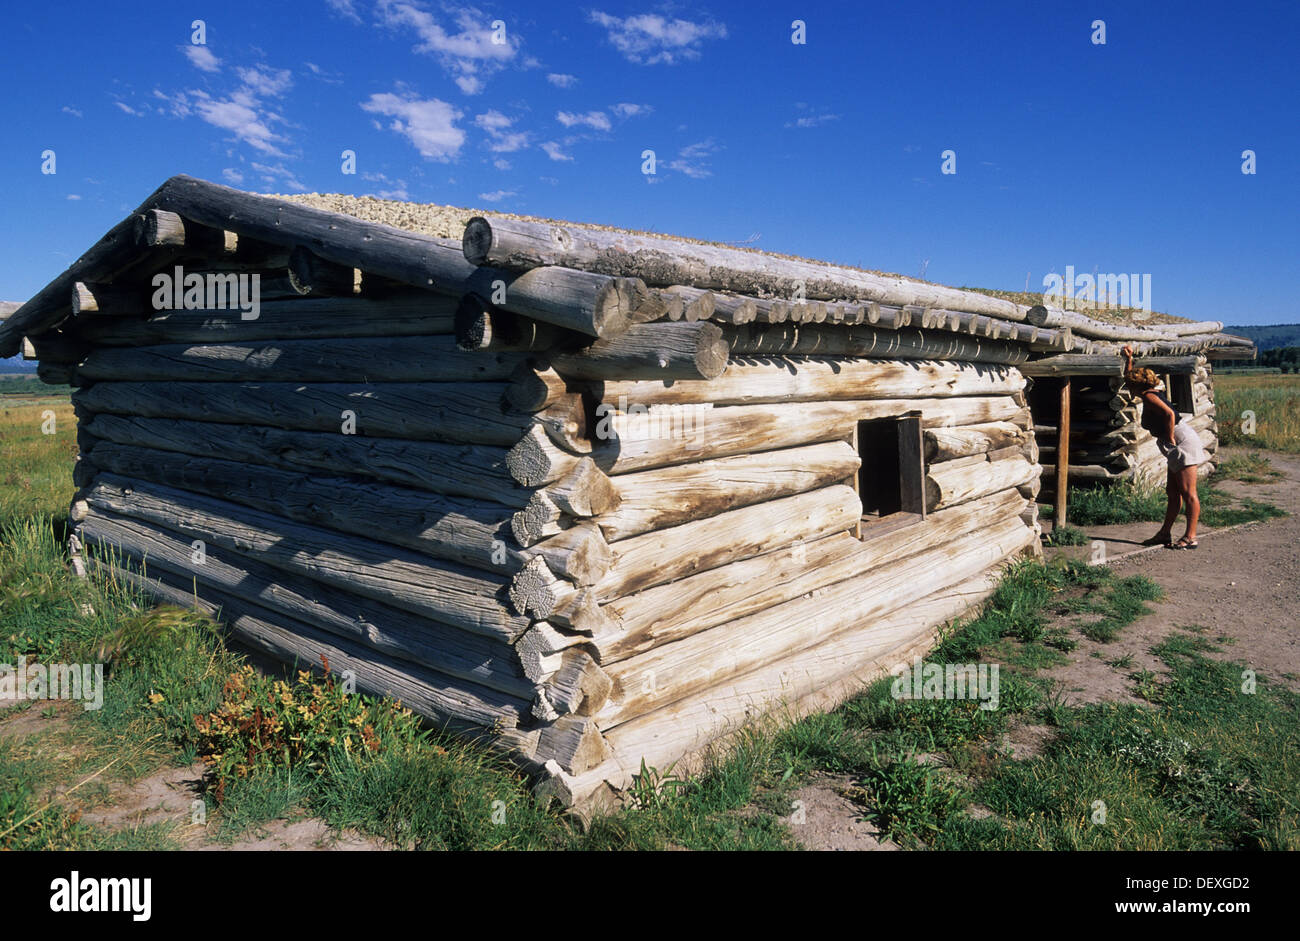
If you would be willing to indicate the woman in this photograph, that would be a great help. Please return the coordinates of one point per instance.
(1179, 443)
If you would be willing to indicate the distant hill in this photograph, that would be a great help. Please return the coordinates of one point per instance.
(16, 364)
(1269, 337)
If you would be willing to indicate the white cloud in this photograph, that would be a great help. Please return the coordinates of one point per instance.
(554, 151)
(240, 117)
(68, 109)
(470, 55)
(242, 112)
(502, 139)
(231, 175)
(493, 121)
(562, 79)
(325, 75)
(625, 109)
(345, 8)
(127, 108)
(396, 189)
(693, 160)
(650, 39)
(428, 124)
(73, 196)
(812, 120)
(501, 163)
(274, 175)
(201, 58)
(261, 82)
(596, 120)
(496, 196)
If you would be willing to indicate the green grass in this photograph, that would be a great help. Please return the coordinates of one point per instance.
(1019, 607)
(1122, 602)
(1123, 502)
(1275, 401)
(1251, 468)
(1204, 766)
(36, 474)
(1129, 502)
(1211, 768)
(910, 801)
(1067, 536)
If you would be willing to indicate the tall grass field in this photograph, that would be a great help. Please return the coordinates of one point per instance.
(38, 442)
(1275, 402)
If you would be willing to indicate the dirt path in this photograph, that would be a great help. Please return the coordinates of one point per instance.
(1242, 583)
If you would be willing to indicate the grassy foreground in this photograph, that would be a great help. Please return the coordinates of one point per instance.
(1201, 764)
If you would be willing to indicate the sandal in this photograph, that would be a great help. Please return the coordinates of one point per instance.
(1183, 544)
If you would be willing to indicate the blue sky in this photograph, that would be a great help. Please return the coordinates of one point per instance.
(1124, 157)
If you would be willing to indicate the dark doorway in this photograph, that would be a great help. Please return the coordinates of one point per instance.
(891, 480)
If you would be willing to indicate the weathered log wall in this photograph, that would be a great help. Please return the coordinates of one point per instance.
(734, 541)
(553, 550)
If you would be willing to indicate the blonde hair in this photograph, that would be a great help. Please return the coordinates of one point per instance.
(1142, 378)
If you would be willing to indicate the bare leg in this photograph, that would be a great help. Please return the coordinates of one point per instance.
(1174, 490)
(1193, 501)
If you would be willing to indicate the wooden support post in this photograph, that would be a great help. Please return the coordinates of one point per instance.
(1062, 457)
(856, 481)
(911, 464)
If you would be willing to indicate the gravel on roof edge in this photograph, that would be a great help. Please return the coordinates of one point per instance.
(441, 221)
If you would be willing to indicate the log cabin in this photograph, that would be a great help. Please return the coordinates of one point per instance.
(591, 497)
(1086, 395)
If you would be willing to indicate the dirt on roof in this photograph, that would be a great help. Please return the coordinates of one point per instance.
(1123, 316)
(448, 222)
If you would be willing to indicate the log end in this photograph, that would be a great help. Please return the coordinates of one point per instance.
(476, 243)
(532, 590)
(1037, 315)
(712, 353)
(614, 309)
(473, 323)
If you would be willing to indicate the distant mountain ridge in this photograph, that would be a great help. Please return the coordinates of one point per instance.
(1268, 337)
(17, 364)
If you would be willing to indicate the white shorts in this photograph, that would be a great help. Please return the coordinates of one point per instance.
(1186, 451)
